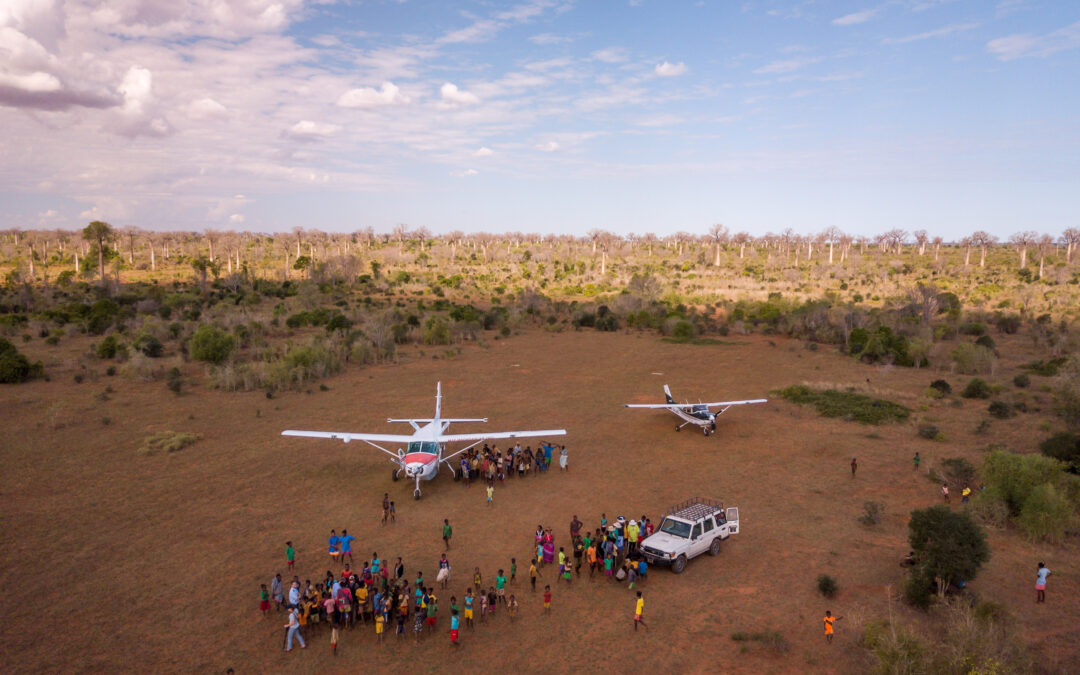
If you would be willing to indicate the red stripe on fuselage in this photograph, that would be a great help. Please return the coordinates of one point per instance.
(420, 458)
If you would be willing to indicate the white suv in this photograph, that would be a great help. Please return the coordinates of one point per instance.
(693, 527)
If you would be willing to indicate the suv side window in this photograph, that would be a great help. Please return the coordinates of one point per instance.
(721, 518)
(708, 524)
(697, 531)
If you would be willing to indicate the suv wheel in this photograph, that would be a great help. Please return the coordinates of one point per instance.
(679, 565)
(714, 547)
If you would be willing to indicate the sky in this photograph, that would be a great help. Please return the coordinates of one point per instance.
(550, 116)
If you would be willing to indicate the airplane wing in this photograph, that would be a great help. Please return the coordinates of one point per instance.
(449, 438)
(717, 404)
(345, 436)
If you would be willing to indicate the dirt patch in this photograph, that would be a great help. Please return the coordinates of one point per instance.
(155, 562)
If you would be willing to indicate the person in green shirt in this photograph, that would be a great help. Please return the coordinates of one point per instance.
(447, 532)
(290, 554)
(432, 609)
(500, 586)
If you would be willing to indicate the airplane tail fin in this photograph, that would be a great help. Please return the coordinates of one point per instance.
(667, 394)
(438, 400)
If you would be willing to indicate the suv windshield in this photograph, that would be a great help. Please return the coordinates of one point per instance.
(676, 528)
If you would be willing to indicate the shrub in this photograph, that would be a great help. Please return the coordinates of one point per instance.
(972, 328)
(970, 358)
(609, 322)
(930, 432)
(872, 514)
(211, 344)
(1064, 447)
(1022, 380)
(174, 380)
(957, 471)
(436, 331)
(1047, 368)
(168, 441)
(683, 330)
(149, 345)
(950, 547)
(976, 388)
(109, 348)
(14, 367)
(848, 405)
(1000, 410)
(986, 341)
(1014, 477)
(942, 386)
(826, 585)
(1008, 323)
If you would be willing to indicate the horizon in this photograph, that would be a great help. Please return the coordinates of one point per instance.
(545, 116)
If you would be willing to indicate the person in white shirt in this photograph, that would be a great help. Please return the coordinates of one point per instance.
(293, 628)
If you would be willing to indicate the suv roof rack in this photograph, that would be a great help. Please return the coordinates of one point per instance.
(696, 507)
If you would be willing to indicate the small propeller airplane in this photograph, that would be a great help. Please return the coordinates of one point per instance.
(695, 413)
(424, 453)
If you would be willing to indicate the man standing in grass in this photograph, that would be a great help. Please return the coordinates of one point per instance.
(447, 532)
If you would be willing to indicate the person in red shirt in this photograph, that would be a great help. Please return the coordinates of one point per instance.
(547, 599)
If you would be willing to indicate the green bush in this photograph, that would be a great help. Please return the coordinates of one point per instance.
(986, 341)
(971, 359)
(1000, 409)
(149, 345)
(930, 432)
(1046, 514)
(14, 367)
(1064, 447)
(1047, 368)
(1036, 491)
(210, 344)
(941, 385)
(957, 471)
(1022, 380)
(436, 331)
(976, 388)
(975, 328)
(168, 441)
(847, 405)
(109, 348)
(174, 380)
(826, 585)
(950, 547)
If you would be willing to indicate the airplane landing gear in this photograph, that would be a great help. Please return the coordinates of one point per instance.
(394, 475)
(416, 492)
(678, 428)
(705, 430)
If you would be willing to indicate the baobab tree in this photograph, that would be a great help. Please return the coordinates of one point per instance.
(1022, 241)
(100, 233)
(1046, 245)
(831, 235)
(1071, 238)
(741, 238)
(719, 234)
(983, 240)
(920, 240)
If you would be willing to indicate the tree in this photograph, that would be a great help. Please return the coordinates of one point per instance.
(1022, 241)
(983, 240)
(211, 344)
(719, 233)
(1071, 238)
(921, 238)
(831, 235)
(949, 545)
(100, 233)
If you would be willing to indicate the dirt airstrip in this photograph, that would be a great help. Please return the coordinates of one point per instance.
(116, 561)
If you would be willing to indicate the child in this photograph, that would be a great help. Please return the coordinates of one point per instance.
(264, 599)
(547, 599)
(400, 624)
(500, 586)
(380, 622)
(829, 620)
(290, 555)
(513, 570)
(468, 608)
(540, 553)
(483, 606)
(566, 573)
(490, 492)
(493, 601)
(477, 580)
(454, 628)
(608, 560)
(277, 591)
(418, 625)
(631, 575)
(333, 543)
(639, 611)
(533, 572)
(511, 607)
(393, 513)
(562, 562)
(335, 626)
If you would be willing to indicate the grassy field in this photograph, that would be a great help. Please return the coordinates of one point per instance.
(119, 560)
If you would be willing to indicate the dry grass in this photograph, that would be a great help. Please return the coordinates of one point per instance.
(162, 556)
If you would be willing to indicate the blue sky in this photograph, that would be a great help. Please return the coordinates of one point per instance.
(542, 115)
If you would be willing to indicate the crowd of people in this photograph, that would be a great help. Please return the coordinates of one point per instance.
(492, 465)
(378, 594)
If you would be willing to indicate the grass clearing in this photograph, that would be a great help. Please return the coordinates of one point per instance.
(846, 404)
(168, 441)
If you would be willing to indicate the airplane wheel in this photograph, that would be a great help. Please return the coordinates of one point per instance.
(706, 430)
(416, 493)
(678, 428)
(394, 475)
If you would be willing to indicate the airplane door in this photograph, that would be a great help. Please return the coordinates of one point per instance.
(733, 520)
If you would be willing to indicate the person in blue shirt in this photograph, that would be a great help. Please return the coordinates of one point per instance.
(1040, 583)
(346, 541)
(642, 568)
(334, 543)
(454, 629)
(547, 455)
(375, 563)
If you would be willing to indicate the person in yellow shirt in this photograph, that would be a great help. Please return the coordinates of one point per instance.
(829, 621)
(361, 603)
(379, 626)
(639, 611)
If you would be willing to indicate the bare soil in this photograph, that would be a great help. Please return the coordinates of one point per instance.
(117, 561)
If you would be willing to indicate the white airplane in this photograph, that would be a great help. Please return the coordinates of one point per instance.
(426, 444)
(695, 413)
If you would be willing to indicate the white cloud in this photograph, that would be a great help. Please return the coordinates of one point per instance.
(1025, 44)
(452, 97)
(549, 39)
(484, 152)
(611, 54)
(308, 130)
(938, 32)
(666, 69)
(464, 173)
(236, 218)
(206, 109)
(550, 146)
(785, 66)
(856, 17)
(368, 97)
